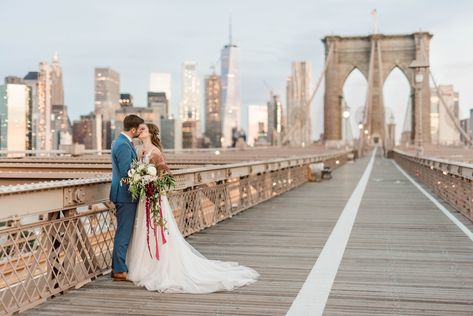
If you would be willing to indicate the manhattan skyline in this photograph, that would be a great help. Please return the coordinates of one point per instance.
(157, 36)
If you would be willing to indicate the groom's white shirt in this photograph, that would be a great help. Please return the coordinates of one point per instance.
(128, 137)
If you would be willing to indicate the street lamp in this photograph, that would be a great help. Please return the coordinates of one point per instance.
(419, 67)
(346, 114)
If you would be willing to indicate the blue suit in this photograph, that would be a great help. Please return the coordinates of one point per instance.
(123, 154)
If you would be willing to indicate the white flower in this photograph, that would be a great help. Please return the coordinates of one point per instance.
(136, 177)
(131, 172)
(140, 168)
(152, 170)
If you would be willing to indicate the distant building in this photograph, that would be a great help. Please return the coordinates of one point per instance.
(15, 116)
(126, 99)
(46, 91)
(31, 80)
(189, 134)
(298, 94)
(161, 82)
(160, 103)
(107, 101)
(107, 92)
(257, 122)
(231, 99)
(13, 80)
(213, 118)
(171, 133)
(147, 114)
(57, 86)
(275, 119)
(44, 111)
(190, 92)
(443, 129)
(471, 123)
(61, 127)
(88, 131)
(466, 126)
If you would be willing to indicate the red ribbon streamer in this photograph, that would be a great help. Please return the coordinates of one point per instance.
(148, 221)
(149, 203)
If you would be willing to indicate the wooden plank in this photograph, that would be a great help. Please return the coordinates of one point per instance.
(280, 238)
(404, 256)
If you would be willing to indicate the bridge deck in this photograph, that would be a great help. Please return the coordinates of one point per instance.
(404, 257)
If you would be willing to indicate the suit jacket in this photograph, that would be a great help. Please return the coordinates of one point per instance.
(123, 154)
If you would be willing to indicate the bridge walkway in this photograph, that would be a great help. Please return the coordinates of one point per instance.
(403, 256)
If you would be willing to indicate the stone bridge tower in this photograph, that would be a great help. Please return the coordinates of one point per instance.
(376, 56)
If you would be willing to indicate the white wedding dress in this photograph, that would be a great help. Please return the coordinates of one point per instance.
(181, 268)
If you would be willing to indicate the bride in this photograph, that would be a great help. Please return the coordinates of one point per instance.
(181, 268)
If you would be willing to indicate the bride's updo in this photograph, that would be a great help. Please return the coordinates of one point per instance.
(154, 134)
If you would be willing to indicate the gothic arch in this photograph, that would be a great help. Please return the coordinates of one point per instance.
(384, 53)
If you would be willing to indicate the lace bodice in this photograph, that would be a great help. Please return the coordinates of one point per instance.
(146, 157)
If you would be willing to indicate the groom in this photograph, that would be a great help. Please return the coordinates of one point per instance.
(123, 153)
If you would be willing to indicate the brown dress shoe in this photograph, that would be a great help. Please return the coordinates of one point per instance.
(120, 276)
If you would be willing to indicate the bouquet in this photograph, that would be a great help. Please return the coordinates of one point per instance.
(145, 182)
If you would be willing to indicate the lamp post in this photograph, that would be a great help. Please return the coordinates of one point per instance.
(418, 67)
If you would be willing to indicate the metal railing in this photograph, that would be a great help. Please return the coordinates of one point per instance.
(58, 235)
(450, 180)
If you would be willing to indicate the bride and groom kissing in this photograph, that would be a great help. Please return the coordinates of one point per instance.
(180, 268)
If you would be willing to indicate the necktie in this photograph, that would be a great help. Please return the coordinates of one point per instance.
(133, 146)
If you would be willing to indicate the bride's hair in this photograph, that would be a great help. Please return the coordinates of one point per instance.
(154, 133)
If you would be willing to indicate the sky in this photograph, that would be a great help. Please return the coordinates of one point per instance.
(143, 36)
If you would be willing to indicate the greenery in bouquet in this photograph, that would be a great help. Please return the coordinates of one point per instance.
(144, 181)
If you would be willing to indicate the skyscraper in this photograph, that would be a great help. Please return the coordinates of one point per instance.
(257, 122)
(443, 129)
(161, 82)
(213, 115)
(31, 80)
(190, 93)
(14, 116)
(43, 137)
(231, 100)
(171, 133)
(298, 94)
(61, 127)
(107, 92)
(189, 134)
(88, 131)
(275, 119)
(159, 103)
(107, 101)
(57, 87)
(466, 126)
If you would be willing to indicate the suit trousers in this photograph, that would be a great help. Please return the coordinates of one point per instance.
(125, 213)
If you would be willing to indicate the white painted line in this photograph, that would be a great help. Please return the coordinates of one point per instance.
(437, 203)
(314, 293)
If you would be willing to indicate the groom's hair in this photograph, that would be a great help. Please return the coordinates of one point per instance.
(132, 121)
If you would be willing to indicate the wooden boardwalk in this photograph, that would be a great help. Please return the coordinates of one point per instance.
(404, 256)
